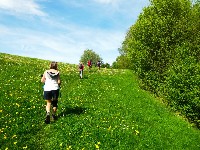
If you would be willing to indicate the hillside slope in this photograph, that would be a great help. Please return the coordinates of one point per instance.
(105, 110)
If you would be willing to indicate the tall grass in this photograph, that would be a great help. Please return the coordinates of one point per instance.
(105, 110)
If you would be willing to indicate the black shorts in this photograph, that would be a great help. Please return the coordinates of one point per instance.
(51, 95)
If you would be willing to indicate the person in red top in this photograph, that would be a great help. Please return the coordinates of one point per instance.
(81, 67)
(89, 64)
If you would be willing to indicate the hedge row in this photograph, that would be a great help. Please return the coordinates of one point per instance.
(163, 47)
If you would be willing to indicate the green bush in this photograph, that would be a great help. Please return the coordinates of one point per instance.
(183, 84)
(164, 49)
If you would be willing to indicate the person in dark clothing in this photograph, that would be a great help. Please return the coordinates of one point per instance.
(81, 67)
(99, 64)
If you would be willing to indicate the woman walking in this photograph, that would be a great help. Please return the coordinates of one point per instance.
(81, 67)
(51, 80)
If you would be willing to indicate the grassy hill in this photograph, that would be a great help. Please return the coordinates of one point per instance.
(105, 110)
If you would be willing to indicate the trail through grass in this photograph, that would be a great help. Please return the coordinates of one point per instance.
(105, 110)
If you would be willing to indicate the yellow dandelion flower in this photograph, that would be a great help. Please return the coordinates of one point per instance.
(17, 104)
(137, 132)
(97, 146)
(70, 147)
(1, 110)
(6, 148)
(25, 147)
(15, 143)
(14, 136)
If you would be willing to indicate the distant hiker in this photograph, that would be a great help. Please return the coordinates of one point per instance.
(99, 64)
(90, 64)
(52, 81)
(81, 67)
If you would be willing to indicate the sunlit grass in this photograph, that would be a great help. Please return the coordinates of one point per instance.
(105, 110)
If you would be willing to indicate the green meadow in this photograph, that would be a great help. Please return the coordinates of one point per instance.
(105, 110)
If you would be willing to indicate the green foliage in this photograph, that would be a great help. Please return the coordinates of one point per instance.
(183, 84)
(90, 55)
(151, 41)
(122, 63)
(105, 110)
(164, 39)
(105, 65)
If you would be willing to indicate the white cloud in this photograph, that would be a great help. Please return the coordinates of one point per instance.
(58, 38)
(66, 45)
(15, 7)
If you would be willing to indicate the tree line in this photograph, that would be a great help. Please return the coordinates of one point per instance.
(163, 48)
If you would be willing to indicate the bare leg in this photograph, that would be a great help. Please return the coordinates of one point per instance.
(48, 106)
(55, 105)
(54, 110)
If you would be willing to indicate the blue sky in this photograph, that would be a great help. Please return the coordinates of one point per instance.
(61, 30)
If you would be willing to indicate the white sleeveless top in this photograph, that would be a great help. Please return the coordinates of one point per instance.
(51, 82)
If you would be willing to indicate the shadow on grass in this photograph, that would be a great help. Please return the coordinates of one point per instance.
(71, 111)
(85, 77)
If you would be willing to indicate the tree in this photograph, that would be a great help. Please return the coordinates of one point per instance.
(150, 43)
(122, 62)
(90, 55)
(163, 47)
(105, 65)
